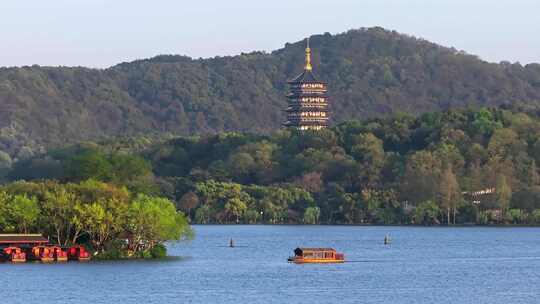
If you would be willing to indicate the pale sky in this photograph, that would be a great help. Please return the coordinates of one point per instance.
(101, 33)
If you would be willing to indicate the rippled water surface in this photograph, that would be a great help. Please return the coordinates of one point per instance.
(422, 265)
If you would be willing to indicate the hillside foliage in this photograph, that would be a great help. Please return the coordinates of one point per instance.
(371, 73)
(394, 170)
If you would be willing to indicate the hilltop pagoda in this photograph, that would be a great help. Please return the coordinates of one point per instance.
(308, 102)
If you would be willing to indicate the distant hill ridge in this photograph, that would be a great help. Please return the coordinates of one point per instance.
(370, 72)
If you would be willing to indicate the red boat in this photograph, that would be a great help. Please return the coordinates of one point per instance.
(78, 253)
(15, 254)
(60, 255)
(43, 253)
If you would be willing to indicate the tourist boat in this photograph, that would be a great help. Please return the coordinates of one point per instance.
(316, 255)
(60, 255)
(44, 254)
(15, 254)
(78, 253)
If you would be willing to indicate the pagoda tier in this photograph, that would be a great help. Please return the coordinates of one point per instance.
(308, 97)
(308, 101)
(306, 114)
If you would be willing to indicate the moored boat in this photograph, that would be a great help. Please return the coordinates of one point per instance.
(15, 254)
(60, 255)
(316, 255)
(78, 253)
(44, 254)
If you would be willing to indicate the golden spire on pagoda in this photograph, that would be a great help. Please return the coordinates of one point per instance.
(308, 66)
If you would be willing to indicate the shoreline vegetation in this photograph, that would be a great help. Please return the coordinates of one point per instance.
(128, 196)
(109, 221)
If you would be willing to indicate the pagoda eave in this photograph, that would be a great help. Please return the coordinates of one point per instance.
(307, 110)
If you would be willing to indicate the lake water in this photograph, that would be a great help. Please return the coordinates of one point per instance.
(422, 265)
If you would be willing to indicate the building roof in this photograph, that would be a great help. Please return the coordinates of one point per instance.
(314, 249)
(22, 238)
(305, 76)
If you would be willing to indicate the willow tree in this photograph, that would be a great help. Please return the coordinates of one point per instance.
(504, 193)
(449, 193)
(152, 220)
(311, 215)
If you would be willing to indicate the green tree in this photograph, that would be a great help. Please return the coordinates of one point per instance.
(517, 216)
(152, 221)
(90, 164)
(5, 164)
(242, 166)
(368, 150)
(504, 193)
(426, 213)
(94, 221)
(259, 166)
(311, 215)
(24, 212)
(536, 216)
(5, 220)
(505, 143)
(484, 122)
(252, 216)
(235, 207)
(421, 177)
(533, 179)
(58, 207)
(128, 168)
(103, 221)
(351, 207)
(450, 156)
(203, 214)
(449, 194)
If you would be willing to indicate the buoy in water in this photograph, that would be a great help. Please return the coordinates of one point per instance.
(387, 239)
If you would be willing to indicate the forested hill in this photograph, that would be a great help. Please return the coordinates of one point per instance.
(455, 166)
(370, 72)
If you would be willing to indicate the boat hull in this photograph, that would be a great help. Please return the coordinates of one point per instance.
(316, 261)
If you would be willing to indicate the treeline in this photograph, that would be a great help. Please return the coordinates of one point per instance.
(429, 169)
(108, 219)
(371, 72)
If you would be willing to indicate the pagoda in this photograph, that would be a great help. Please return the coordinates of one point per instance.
(308, 102)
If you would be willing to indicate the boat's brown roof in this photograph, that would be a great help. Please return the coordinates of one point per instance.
(22, 238)
(315, 249)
